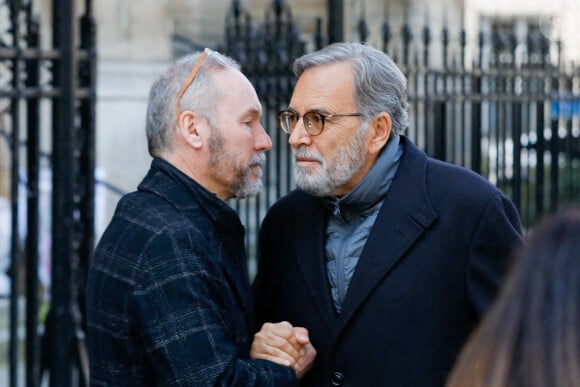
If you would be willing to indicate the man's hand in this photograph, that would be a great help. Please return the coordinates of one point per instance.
(307, 353)
(284, 344)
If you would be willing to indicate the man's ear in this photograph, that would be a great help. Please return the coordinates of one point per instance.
(190, 128)
(380, 131)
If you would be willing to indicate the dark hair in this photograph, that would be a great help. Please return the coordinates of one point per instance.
(531, 335)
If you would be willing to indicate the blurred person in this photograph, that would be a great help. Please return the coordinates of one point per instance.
(387, 256)
(168, 297)
(531, 336)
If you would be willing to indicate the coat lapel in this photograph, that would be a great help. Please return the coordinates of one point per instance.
(309, 239)
(403, 218)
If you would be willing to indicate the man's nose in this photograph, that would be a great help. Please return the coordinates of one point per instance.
(262, 141)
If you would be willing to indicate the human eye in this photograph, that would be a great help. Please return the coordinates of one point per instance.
(247, 122)
(319, 118)
(291, 117)
(316, 118)
(250, 120)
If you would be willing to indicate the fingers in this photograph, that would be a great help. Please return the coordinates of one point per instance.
(267, 352)
(277, 343)
(304, 364)
(284, 344)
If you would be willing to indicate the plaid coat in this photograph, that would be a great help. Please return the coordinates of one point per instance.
(168, 297)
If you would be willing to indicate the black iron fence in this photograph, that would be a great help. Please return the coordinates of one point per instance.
(47, 99)
(509, 111)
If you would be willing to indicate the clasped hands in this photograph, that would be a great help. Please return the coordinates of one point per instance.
(286, 345)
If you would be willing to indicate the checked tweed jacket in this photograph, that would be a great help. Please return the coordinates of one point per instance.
(168, 296)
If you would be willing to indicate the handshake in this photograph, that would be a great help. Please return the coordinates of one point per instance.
(286, 345)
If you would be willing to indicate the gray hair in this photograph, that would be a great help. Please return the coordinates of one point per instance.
(201, 97)
(379, 83)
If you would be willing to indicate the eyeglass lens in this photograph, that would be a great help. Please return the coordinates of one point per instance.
(313, 122)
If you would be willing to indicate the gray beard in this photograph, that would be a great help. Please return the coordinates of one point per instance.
(245, 184)
(334, 173)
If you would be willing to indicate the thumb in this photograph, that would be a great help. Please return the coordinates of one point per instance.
(301, 335)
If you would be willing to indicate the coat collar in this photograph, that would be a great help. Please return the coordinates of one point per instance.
(405, 215)
(185, 193)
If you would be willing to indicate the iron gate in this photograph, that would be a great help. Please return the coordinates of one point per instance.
(514, 121)
(509, 111)
(47, 95)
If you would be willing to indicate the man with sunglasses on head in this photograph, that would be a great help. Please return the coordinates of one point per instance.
(387, 256)
(168, 296)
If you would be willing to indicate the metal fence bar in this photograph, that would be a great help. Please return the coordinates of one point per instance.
(517, 162)
(492, 117)
(61, 330)
(15, 166)
(32, 241)
(554, 146)
(86, 175)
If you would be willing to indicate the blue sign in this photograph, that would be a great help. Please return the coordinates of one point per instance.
(566, 107)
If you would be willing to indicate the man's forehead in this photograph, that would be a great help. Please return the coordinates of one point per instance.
(322, 92)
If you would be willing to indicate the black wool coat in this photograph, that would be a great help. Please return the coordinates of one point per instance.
(430, 268)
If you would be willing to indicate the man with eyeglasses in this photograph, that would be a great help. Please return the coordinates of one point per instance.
(387, 256)
(168, 295)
